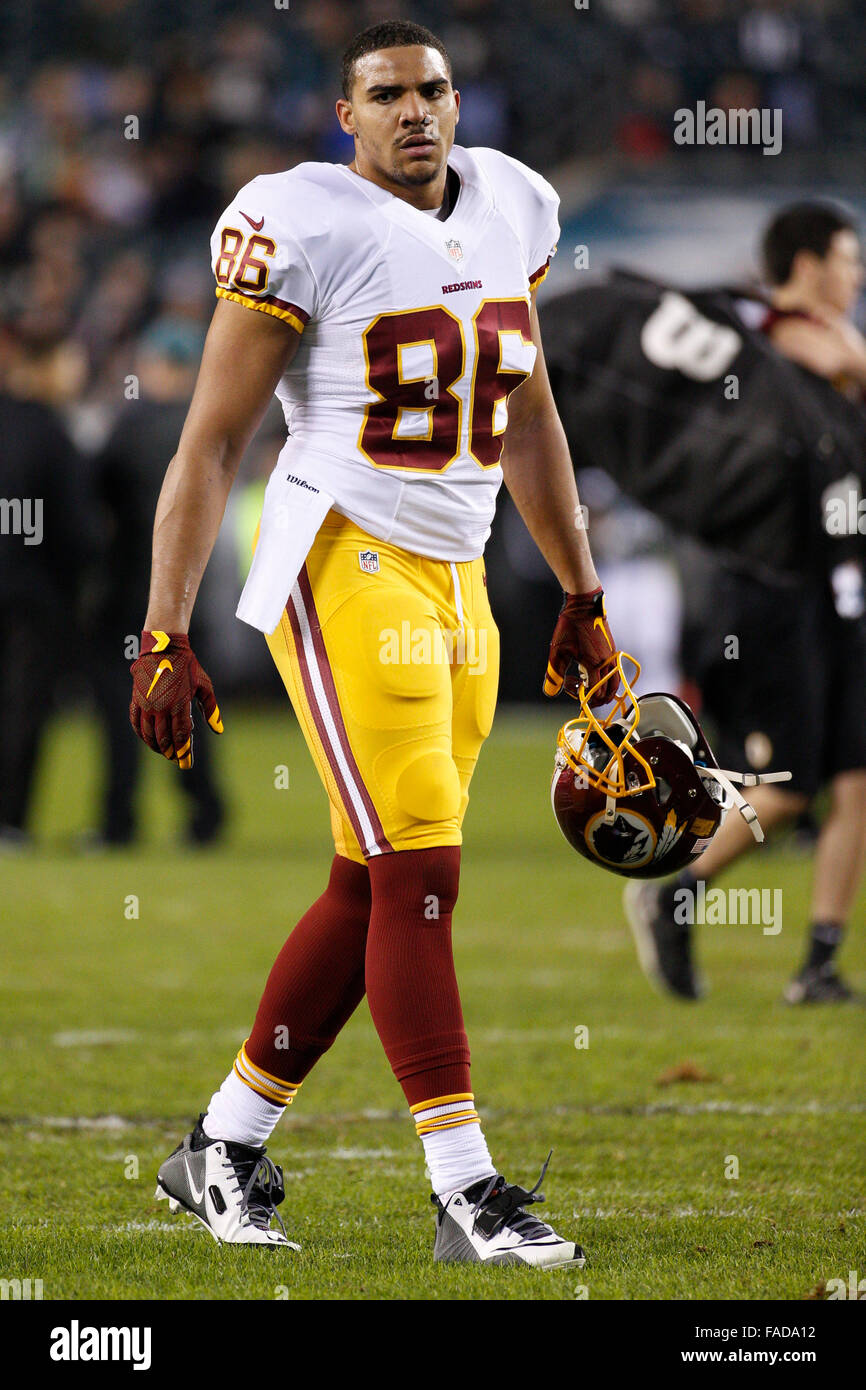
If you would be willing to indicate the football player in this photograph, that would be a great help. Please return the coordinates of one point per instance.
(390, 303)
(795, 696)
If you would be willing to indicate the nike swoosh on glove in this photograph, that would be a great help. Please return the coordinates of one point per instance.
(581, 637)
(166, 679)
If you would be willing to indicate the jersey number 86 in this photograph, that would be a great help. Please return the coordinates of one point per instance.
(415, 357)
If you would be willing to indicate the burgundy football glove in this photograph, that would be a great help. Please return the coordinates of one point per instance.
(581, 636)
(166, 679)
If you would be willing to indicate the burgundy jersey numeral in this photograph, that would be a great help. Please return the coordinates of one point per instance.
(252, 272)
(494, 383)
(416, 422)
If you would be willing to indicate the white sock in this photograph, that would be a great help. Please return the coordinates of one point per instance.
(242, 1111)
(454, 1145)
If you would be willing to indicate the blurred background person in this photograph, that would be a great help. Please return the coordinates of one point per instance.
(127, 477)
(45, 529)
(794, 697)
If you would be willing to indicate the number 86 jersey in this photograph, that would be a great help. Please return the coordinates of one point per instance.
(414, 332)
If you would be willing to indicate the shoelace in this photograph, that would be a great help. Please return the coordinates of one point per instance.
(260, 1183)
(505, 1205)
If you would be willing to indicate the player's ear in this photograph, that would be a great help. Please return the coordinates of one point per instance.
(456, 108)
(805, 263)
(345, 116)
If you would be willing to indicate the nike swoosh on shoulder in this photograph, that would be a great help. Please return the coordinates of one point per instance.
(256, 226)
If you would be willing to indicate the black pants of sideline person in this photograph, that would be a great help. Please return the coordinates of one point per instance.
(30, 656)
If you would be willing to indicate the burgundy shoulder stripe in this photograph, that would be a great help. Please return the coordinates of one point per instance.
(540, 273)
(283, 304)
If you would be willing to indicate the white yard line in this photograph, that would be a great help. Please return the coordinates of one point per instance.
(119, 1123)
(94, 1037)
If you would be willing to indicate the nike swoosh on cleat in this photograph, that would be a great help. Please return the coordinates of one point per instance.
(199, 1196)
(164, 665)
(256, 226)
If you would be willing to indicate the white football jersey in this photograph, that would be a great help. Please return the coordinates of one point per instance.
(413, 332)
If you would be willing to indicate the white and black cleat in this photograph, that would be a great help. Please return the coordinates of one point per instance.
(487, 1224)
(664, 948)
(232, 1189)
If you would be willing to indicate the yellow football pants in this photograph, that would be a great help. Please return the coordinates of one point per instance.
(391, 662)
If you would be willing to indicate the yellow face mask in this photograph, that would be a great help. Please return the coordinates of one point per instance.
(617, 732)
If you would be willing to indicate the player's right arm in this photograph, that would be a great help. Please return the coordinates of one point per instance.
(245, 355)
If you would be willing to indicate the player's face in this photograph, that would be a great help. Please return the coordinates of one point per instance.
(403, 112)
(842, 271)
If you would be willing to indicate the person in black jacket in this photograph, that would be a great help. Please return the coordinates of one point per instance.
(45, 522)
(794, 696)
(127, 478)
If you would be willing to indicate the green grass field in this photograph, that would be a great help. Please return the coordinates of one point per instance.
(115, 1031)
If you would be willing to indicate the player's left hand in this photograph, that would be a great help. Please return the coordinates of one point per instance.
(166, 679)
(582, 638)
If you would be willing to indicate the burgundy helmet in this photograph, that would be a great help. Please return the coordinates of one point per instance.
(639, 790)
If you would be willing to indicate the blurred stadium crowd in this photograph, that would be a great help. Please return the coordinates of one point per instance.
(126, 127)
(103, 221)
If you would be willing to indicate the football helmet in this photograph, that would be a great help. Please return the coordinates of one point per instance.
(639, 790)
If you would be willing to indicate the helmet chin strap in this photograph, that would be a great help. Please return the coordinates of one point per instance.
(746, 779)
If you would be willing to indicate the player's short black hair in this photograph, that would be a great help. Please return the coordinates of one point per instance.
(392, 33)
(800, 227)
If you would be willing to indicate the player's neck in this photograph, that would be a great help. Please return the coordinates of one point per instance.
(426, 198)
(793, 298)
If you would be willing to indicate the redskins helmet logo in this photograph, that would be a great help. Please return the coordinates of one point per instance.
(627, 840)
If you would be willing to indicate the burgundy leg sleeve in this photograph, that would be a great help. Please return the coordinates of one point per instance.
(317, 980)
(411, 984)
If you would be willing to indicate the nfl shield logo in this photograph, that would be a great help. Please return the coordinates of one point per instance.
(455, 250)
(369, 561)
